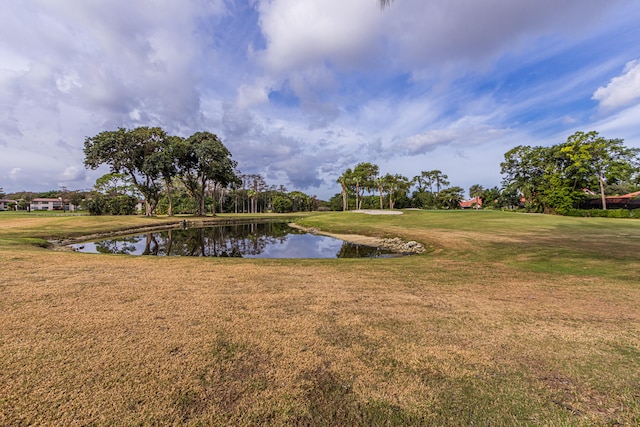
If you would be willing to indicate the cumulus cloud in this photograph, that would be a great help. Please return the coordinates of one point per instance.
(464, 133)
(92, 55)
(310, 45)
(266, 149)
(621, 90)
(302, 34)
(73, 173)
(428, 33)
(14, 174)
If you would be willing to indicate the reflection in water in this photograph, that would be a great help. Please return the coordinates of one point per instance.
(249, 240)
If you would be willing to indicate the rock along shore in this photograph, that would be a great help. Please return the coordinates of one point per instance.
(394, 244)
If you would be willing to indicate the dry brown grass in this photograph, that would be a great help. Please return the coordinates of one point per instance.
(117, 340)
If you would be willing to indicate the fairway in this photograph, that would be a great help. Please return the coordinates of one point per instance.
(507, 319)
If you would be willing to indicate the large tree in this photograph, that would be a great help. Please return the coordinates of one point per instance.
(524, 171)
(132, 152)
(591, 156)
(201, 159)
(395, 184)
(345, 181)
(450, 198)
(553, 178)
(476, 191)
(363, 178)
(439, 179)
(114, 184)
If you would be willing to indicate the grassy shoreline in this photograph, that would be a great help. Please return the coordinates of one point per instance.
(510, 319)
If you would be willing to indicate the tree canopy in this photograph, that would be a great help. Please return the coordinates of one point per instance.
(136, 153)
(201, 159)
(558, 177)
(148, 156)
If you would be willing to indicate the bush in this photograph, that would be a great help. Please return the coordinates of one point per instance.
(619, 213)
(122, 205)
(96, 205)
(119, 205)
(282, 204)
(598, 213)
(635, 213)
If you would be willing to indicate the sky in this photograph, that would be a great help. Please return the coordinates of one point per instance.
(301, 90)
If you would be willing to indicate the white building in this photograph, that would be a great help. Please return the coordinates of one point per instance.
(45, 204)
(6, 205)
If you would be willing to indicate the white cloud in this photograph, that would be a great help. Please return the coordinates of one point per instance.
(621, 90)
(73, 173)
(14, 174)
(463, 133)
(251, 95)
(300, 34)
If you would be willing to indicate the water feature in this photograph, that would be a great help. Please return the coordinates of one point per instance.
(246, 240)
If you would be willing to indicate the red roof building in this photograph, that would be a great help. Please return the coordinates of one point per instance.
(476, 203)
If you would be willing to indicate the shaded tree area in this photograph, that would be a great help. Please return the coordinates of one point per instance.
(363, 187)
(193, 175)
(565, 176)
(136, 153)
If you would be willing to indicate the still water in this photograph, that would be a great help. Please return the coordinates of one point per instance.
(253, 240)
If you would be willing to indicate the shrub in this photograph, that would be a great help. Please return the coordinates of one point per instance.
(282, 204)
(598, 213)
(96, 205)
(122, 205)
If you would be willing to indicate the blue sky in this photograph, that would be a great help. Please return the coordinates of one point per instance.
(300, 90)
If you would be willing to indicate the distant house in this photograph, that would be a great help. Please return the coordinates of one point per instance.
(6, 205)
(626, 201)
(475, 203)
(50, 204)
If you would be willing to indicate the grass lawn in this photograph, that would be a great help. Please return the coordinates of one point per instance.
(508, 319)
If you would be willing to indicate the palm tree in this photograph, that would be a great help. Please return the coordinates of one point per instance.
(344, 181)
(476, 192)
(440, 179)
(395, 184)
(363, 177)
(381, 183)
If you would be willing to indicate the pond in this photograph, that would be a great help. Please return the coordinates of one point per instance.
(243, 240)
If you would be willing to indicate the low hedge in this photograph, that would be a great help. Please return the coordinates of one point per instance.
(601, 213)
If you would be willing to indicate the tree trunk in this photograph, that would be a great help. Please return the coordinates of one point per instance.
(604, 201)
(170, 209)
(345, 200)
(201, 211)
(380, 190)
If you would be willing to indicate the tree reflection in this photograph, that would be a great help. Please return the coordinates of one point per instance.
(230, 241)
(352, 250)
(123, 245)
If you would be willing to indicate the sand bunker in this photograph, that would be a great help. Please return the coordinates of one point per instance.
(378, 212)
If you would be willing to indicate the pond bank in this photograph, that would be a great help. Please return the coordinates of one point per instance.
(394, 244)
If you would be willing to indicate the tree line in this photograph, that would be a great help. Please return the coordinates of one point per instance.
(197, 175)
(562, 177)
(391, 191)
(176, 173)
(537, 179)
